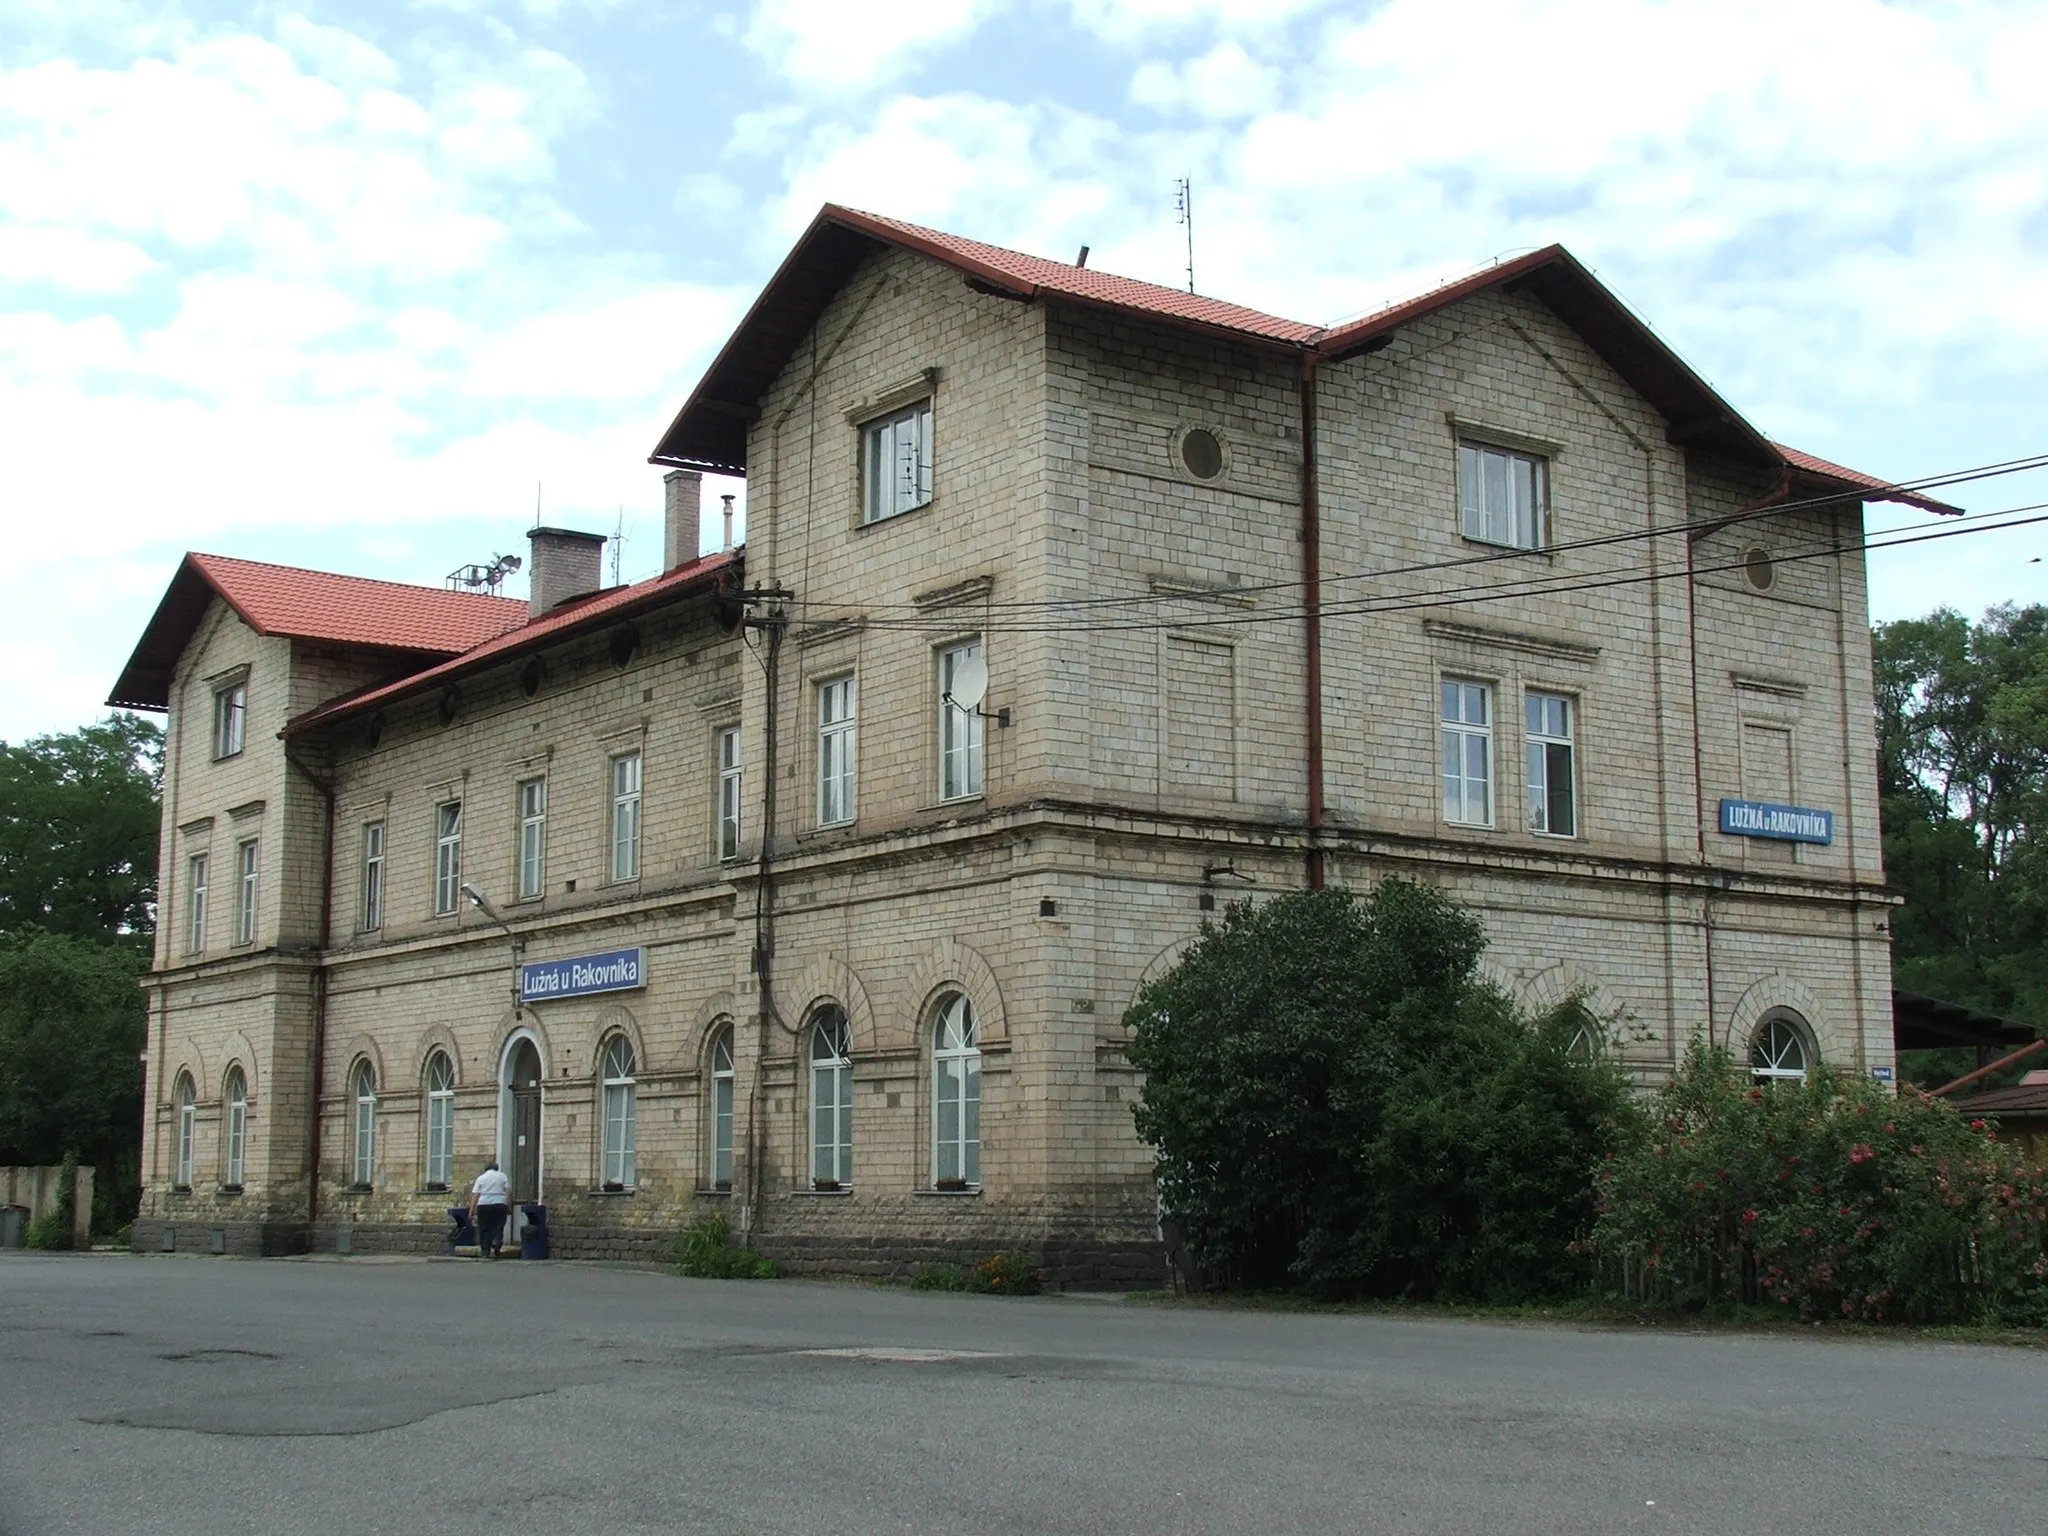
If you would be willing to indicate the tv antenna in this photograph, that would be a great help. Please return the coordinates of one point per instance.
(1184, 215)
(483, 578)
(618, 543)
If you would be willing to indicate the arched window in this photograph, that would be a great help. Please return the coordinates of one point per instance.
(188, 1125)
(721, 1110)
(237, 1128)
(956, 1097)
(831, 1099)
(1777, 1053)
(364, 1091)
(440, 1120)
(615, 1066)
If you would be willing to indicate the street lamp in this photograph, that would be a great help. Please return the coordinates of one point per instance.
(477, 899)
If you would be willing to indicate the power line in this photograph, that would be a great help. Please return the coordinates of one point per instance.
(1707, 522)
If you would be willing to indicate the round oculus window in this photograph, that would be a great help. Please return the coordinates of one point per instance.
(1761, 570)
(1201, 453)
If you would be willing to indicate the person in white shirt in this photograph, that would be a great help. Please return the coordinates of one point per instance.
(490, 1202)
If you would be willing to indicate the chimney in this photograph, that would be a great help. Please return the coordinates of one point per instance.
(726, 545)
(565, 564)
(684, 489)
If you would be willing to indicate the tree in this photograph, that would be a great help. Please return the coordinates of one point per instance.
(78, 831)
(1962, 714)
(1337, 1100)
(72, 1028)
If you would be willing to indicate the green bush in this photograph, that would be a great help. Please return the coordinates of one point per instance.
(704, 1250)
(1010, 1273)
(1829, 1198)
(49, 1232)
(1338, 1101)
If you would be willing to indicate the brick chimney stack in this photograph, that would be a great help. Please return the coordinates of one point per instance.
(565, 564)
(684, 492)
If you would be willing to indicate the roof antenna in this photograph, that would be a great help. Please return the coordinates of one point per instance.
(1184, 213)
(618, 543)
(1082, 259)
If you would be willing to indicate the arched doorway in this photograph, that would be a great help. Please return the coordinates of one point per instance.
(519, 1120)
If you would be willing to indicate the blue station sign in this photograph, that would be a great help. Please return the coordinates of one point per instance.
(1788, 823)
(609, 970)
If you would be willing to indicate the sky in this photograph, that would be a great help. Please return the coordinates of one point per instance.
(360, 285)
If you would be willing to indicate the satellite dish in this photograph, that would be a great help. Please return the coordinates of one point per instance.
(970, 683)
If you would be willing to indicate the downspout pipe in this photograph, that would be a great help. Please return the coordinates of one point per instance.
(1312, 617)
(324, 937)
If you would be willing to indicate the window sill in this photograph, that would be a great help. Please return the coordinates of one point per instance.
(864, 523)
(840, 1193)
(613, 1194)
(232, 1191)
(1545, 550)
(713, 1194)
(435, 1189)
(973, 1192)
(184, 1191)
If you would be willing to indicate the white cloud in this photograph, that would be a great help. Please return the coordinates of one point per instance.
(833, 48)
(1129, 20)
(70, 260)
(1224, 83)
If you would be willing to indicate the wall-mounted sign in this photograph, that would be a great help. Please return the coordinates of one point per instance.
(1882, 1074)
(609, 970)
(1790, 823)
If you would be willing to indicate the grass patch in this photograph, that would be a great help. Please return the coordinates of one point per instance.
(704, 1250)
(1009, 1273)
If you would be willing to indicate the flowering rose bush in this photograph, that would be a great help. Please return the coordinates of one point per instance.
(1830, 1198)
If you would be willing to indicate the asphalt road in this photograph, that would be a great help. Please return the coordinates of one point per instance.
(171, 1395)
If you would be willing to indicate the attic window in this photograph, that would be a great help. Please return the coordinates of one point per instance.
(230, 719)
(1760, 569)
(896, 463)
(1201, 454)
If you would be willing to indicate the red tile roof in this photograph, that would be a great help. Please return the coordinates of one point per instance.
(577, 615)
(1035, 276)
(305, 605)
(1884, 490)
(354, 610)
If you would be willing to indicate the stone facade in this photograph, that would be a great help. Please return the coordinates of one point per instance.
(1143, 753)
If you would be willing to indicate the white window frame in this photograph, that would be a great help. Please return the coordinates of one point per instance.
(730, 773)
(187, 1098)
(831, 1098)
(230, 719)
(237, 1124)
(1461, 736)
(1774, 1041)
(440, 1120)
(838, 704)
(447, 857)
(621, 1120)
(896, 463)
(372, 913)
(1550, 735)
(722, 1080)
(533, 838)
(624, 773)
(248, 872)
(960, 729)
(1503, 496)
(195, 902)
(363, 1093)
(956, 1083)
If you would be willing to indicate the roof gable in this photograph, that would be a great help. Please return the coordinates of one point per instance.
(304, 605)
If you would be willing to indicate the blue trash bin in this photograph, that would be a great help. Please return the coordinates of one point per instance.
(533, 1241)
(463, 1233)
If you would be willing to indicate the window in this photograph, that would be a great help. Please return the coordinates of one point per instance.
(835, 752)
(626, 817)
(230, 719)
(195, 872)
(956, 1097)
(1548, 742)
(447, 856)
(729, 792)
(959, 728)
(897, 468)
(373, 876)
(533, 837)
(615, 1066)
(245, 892)
(238, 1128)
(440, 1120)
(1468, 753)
(188, 1125)
(1778, 1052)
(721, 1110)
(364, 1091)
(831, 1100)
(1502, 496)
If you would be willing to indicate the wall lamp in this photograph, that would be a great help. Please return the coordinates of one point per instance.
(1228, 874)
(477, 899)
